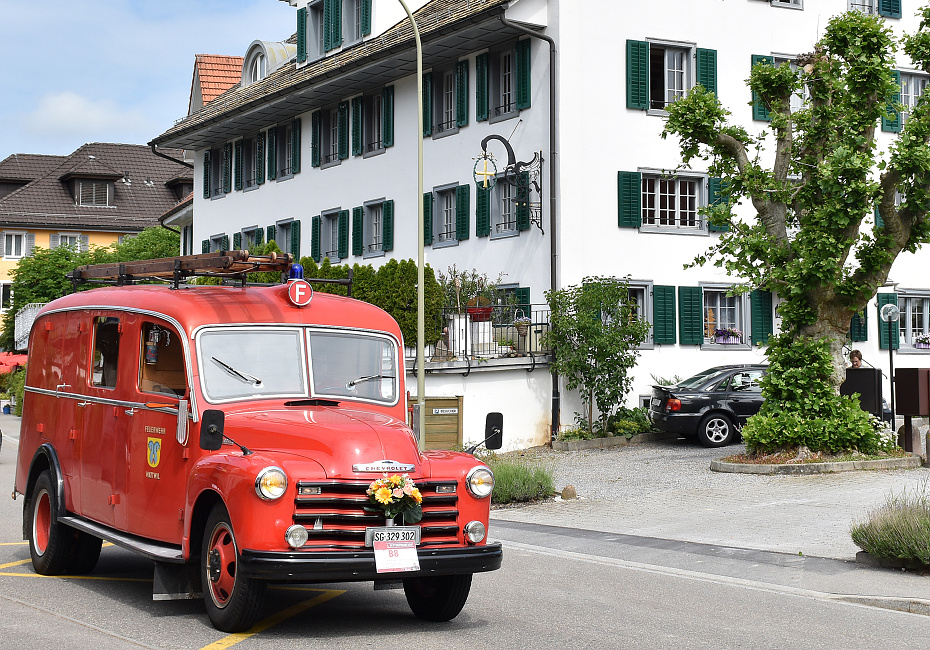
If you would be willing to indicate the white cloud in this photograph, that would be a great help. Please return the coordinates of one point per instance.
(69, 115)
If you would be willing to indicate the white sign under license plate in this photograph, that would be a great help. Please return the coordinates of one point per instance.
(392, 534)
(391, 557)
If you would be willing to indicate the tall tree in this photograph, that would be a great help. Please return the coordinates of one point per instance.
(814, 240)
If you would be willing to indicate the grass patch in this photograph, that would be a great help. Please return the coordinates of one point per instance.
(793, 458)
(899, 529)
(519, 482)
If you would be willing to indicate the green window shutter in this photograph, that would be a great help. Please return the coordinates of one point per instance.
(343, 130)
(760, 307)
(879, 222)
(237, 167)
(336, 24)
(759, 110)
(707, 69)
(387, 226)
(272, 234)
(328, 25)
(258, 236)
(315, 238)
(205, 246)
(237, 241)
(663, 314)
(260, 159)
(462, 218)
(482, 211)
(357, 108)
(461, 93)
(889, 8)
(859, 327)
(481, 87)
(629, 199)
(691, 315)
(524, 91)
(883, 327)
(427, 218)
(272, 153)
(523, 201)
(227, 168)
(315, 133)
(206, 175)
(893, 123)
(295, 239)
(522, 295)
(295, 146)
(224, 242)
(387, 116)
(343, 246)
(358, 216)
(715, 194)
(427, 104)
(301, 35)
(637, 74)
(366, 17)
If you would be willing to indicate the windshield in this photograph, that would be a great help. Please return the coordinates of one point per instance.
(699, 379)
(353, 365)
(237, 363)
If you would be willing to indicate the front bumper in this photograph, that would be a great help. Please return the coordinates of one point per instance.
(359, 566)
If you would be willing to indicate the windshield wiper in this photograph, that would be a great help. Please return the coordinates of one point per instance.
(352, 383)
(241, 376)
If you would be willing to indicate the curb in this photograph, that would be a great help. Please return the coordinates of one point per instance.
(910, 462)
(868, 559)
(614, 441)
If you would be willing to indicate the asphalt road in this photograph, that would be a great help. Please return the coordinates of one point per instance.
(558, 588)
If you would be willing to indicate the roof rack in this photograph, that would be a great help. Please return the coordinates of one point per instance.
(219, 264)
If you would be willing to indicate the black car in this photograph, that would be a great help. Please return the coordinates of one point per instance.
(710, 405)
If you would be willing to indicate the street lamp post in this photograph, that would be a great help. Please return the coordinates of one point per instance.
(890, 314)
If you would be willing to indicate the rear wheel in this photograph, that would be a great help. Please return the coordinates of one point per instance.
(233, 601)
(50, 542)
(438, 598)
(716, 430)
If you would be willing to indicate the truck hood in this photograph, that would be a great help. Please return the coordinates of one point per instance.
(335, 438)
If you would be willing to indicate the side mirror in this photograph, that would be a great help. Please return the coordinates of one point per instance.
(211, 429)
(494, 431)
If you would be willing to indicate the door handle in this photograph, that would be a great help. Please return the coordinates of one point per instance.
(130, 412)
(83, 404)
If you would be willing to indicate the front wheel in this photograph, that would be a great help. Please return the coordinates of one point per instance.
(438, 598)
(233, 601)
(50, 542)
(716, 430)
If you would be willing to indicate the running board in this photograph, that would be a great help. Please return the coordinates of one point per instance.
(149, 548)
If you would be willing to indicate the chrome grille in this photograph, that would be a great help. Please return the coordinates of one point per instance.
(336, 518)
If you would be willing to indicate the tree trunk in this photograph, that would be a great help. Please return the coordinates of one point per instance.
(833, 328)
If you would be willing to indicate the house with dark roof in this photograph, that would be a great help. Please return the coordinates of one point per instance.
(94, 197)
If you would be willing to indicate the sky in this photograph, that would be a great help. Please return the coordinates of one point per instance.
(81, 71)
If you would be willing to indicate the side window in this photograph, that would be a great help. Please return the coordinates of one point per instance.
(106, 351)
(162, 361)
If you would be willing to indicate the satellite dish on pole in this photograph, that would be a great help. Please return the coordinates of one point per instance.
(890, 313)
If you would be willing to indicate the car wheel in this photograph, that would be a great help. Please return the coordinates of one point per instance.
(716, 430)
(233, 601)
(50, 541)
(437, 598)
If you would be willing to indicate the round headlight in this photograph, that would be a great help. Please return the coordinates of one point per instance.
(296, 536)
(271, 483)
(475, 531)
(480, 482)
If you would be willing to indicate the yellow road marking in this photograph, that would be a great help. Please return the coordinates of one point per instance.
(104, 578)
(9, 564)
(283, 615)
(13, 543)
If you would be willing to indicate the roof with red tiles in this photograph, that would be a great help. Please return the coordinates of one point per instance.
(216, 74)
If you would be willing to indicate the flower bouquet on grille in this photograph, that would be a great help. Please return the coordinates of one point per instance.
(395, 495)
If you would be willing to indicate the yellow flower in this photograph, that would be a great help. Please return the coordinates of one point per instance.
(395, 480)
(383, 495)
(415, 493)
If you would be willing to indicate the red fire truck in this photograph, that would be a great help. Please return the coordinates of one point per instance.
(231, 434)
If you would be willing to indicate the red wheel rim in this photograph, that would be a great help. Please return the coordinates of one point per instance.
(221, 564)
(41, 522)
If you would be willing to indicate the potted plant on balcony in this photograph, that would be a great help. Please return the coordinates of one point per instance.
(922, 341)
(522, 323)
(728, 336)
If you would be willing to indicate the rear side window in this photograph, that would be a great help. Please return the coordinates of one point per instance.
(162, 368)
(106, 351)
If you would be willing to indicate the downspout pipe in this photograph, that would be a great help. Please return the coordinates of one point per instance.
(167, 157)
(553, 175)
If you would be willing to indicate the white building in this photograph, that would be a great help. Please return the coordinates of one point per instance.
(317, 149)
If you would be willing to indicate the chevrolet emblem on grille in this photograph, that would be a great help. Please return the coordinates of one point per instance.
(382, 466)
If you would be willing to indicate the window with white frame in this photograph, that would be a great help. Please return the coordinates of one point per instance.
(503, 83)
(671, 201)
(886, 8)
(669, 73)
(256, 67)
(251, 236)
(800, 98)
(315, 27)
(373, 227)
(187, 240)
(374, 120)
(640, 297)
(93, 193)
(724, 320)
(6, 296)
(67, 239)
(352, 17)
(912, 87)
(284, 150)
(792, 4)
(329, 232)
(445, 216)
(219, 243)
(283, 235)
(445, 106)
(504, 212)
(914, 323)
(865, 6)
(250, 163)
(13, 245)
(330, 135)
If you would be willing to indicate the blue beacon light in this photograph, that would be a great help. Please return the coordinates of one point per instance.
(296, 272)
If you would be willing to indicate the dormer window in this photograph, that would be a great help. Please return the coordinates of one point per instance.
(256, 67)
(93, 193)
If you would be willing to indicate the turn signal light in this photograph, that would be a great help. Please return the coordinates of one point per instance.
(673, 404)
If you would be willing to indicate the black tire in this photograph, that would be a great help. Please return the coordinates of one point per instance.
(438, 598)
(233, 601)
(51, 543)
(85, 553)
(716, 430)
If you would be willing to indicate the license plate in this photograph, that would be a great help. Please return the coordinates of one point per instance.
(392, 534)
(656, 401)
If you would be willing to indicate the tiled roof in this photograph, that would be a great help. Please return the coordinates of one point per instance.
(140, 195)
(432, 19)
(27, 166)
(217, 74)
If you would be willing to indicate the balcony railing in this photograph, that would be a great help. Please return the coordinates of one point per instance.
(488, 332)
